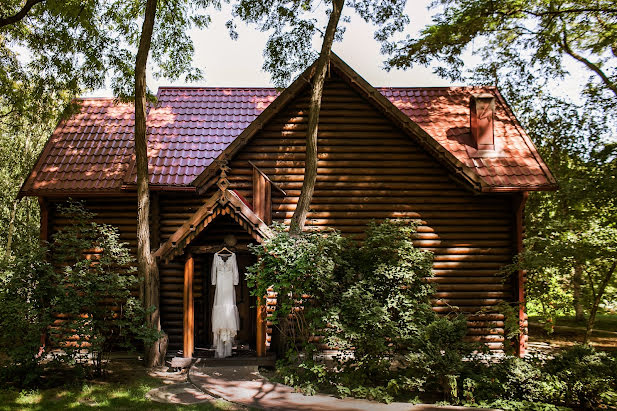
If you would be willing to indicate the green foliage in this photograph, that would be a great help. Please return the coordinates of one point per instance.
(385, 305)
(26, 287)
(295, 24)
(298, 267)
(589, 377)
(531, 36)
(572, 230)
(371, 301)
(62, 48)
(578, 377)
(76, 293)
(93, 283)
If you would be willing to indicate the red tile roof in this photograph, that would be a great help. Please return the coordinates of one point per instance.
(190, 127)
(91, 151)
(443, 112)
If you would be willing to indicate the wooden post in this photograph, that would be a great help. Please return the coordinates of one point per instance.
(262, 205)
(261, 327)
(519, 209)
(262, 196)
(189, 319)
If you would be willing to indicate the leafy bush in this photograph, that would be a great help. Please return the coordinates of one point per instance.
(76, 294)
(303, 270)
(588, 377)
(372, 301)
(26, 287)
(578, 377)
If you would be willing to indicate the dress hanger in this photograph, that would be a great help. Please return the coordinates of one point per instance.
(224, 249)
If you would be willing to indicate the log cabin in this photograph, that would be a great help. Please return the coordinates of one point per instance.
(224, 163)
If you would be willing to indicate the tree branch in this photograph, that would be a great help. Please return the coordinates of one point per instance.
(555, 13)
(5, 21)
(590, 65)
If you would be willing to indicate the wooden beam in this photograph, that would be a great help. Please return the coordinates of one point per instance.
(189, 318)
(261, 328)
(262, 196)
(276, 186)
(205, 249)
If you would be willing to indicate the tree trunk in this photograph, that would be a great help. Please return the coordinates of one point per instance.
(146, 265)
(577, 279)
(11, 229)
(310, 163)
(596, 301)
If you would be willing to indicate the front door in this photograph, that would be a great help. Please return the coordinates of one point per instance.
(244, 301)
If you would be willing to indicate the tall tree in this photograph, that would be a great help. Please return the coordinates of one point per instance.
(289, 50)
(310, 162)
(542, 32)
(173, 25)
(147, 268)
(53, 50)
(571, 244)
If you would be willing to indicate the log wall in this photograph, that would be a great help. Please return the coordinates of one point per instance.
(121, 212)
(368, 169)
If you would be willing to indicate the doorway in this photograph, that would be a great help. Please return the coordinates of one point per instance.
(246, 338)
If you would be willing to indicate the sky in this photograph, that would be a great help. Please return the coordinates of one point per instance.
(237, 63)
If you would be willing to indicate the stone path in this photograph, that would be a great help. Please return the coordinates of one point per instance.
(179, 393)
(243, 385)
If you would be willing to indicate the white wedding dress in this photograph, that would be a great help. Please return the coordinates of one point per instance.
(225, 319)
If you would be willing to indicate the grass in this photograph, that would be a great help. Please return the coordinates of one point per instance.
(128, 395)
(604, 322)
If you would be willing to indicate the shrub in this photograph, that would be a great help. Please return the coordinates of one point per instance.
(26, 287)
(76, 293)
(371, 300)
(588, 378)
(578, 377)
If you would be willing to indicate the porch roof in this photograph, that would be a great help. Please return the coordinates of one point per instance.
(223, 202)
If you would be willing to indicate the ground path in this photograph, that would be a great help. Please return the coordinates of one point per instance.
(244, 387)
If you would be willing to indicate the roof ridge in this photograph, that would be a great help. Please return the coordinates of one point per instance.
(218, 87)
(96, 98)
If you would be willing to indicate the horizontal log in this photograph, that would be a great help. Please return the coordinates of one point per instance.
(484, 331)
(485, 324)
(401, 207)
(485, 338)
(331, 222)
(334, 133)
(241, 159)
(425, 215)
(331, 193)
(468, 265)
(465, 280)
(473, 295)
(301, 123)
(485, 316)
(502, 259)
(471, 287)
(282, 147)
(466, 302)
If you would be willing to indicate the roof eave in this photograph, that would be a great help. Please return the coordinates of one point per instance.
(516, 189)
